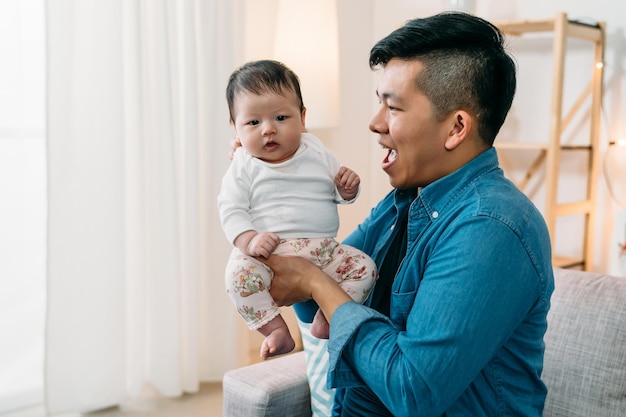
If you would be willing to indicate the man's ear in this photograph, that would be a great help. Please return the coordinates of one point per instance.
(461, 126)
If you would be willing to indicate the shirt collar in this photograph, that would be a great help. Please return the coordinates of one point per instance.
(435, 197)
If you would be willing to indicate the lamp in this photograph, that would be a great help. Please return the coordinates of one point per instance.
(307, 41)
(615, 170)
(467, 6)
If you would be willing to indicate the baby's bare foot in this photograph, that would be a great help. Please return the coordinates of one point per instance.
(279, 341)
(319, 326)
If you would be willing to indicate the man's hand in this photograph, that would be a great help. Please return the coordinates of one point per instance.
(292, 278)
(296, 279)
(347, 182)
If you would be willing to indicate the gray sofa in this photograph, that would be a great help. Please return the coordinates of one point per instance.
(585, 359)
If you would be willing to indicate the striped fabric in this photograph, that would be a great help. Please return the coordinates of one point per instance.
(317, 366)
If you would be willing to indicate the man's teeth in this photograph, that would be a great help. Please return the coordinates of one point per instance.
(392, 155)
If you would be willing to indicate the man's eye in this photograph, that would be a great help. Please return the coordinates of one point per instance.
(281, 118)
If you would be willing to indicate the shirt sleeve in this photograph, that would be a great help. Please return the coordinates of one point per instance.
(471, 298)
(233, 200)
(332, 162)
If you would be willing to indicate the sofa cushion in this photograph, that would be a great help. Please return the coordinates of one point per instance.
(585, 357)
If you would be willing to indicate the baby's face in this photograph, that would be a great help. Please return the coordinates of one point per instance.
(269, 126)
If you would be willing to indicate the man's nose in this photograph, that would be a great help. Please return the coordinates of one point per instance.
(378, 124)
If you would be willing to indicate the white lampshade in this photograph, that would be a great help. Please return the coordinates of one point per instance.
(615, 170)
(307, 41)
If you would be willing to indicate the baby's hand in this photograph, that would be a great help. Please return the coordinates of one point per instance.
(347, 182)
(263, 244)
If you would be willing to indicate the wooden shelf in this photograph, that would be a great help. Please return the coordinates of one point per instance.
(539, 146)
(565, 262)
(550, 152)
(575, 29)
(521, 145)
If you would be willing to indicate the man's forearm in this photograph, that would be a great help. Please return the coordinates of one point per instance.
(328, 294)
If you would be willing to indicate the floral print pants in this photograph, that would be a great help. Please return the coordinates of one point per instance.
(248, 280)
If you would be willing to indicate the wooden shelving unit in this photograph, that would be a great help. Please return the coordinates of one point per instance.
(550, 152)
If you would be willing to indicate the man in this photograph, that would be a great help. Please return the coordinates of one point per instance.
(456, 321)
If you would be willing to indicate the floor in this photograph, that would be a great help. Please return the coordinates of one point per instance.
(206, 403)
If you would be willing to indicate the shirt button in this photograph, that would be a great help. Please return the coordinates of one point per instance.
(435, 214)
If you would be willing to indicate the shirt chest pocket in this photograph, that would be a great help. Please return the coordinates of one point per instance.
(401, 305)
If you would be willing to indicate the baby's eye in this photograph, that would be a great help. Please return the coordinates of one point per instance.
(253, 122)
(281, 118)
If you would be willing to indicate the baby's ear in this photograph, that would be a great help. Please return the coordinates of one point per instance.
(303, 118)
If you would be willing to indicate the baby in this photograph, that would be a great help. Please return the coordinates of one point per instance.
(279, 196)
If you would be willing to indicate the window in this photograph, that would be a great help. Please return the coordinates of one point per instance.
(22, 202)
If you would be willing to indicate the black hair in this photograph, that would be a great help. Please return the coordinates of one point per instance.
(465, 63)
(260, 77)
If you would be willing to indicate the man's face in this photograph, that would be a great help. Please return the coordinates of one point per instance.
(408, 129)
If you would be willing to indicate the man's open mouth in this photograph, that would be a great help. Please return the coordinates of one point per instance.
(391, 156)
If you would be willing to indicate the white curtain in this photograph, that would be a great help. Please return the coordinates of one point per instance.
(137, 143)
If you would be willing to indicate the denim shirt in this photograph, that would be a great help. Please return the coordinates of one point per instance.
(468, 305)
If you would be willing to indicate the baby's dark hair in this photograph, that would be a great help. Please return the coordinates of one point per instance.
(260, 77)
(465, 66)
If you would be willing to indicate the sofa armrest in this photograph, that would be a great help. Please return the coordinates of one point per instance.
(585, 359)
(276, 387)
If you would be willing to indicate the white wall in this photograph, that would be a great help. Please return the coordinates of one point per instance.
(363, 22)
